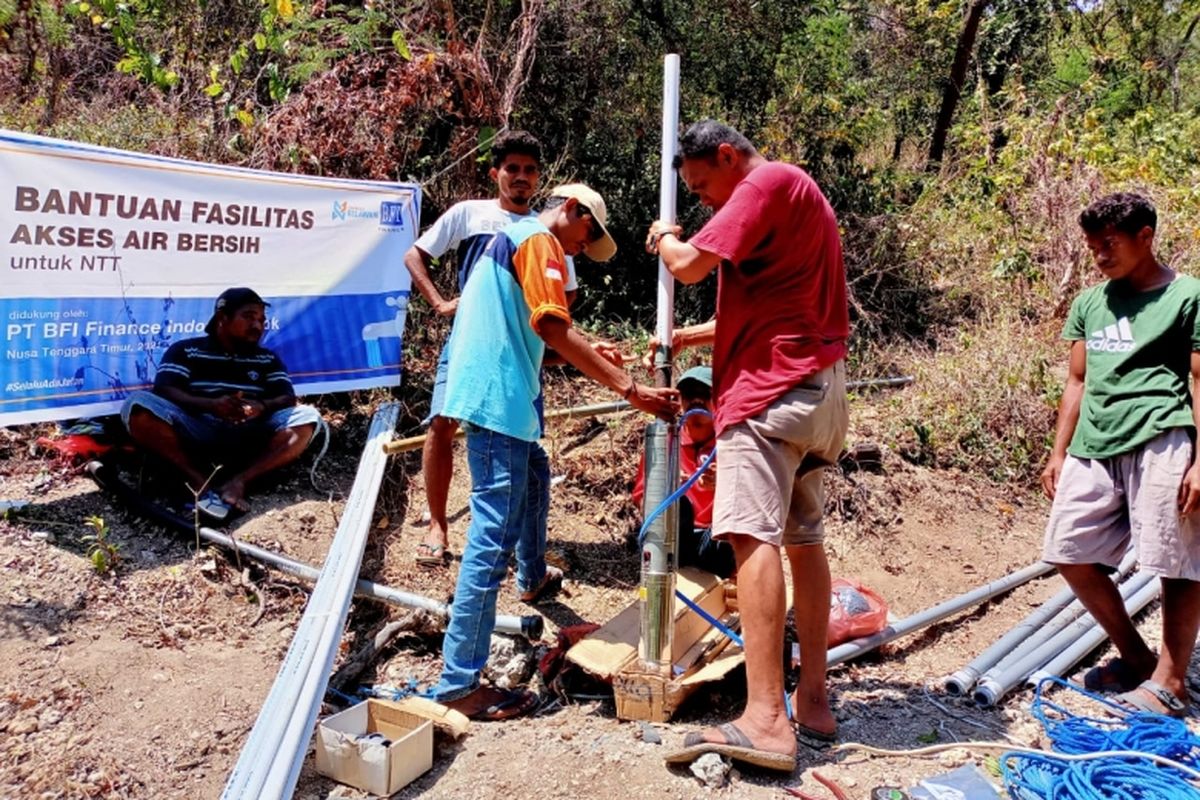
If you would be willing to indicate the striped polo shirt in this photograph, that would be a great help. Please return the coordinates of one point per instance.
(202, 367)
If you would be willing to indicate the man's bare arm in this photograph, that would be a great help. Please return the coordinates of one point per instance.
(418, 262)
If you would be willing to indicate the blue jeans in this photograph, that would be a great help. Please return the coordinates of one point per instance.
(510, 498)
(209, 432)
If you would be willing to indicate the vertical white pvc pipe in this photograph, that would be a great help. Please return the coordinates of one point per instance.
(667, 185)
(657, 591)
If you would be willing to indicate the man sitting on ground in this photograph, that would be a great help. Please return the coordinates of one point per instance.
(223, 398)
(697, 437)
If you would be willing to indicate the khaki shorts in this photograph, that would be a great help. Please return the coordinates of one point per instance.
(769, 467)
(1102, 503)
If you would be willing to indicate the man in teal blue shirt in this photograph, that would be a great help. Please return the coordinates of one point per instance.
(513, 307)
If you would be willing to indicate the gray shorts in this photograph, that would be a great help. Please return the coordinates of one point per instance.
(1101, 504)
(212, 433)
(769, 468)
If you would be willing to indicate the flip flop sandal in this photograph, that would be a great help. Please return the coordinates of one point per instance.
(550, 586)
(818, 740)
(736, 746)
(514, 704)
(431, 555)
(1114, 675)
(1153, 698)
(212, 506)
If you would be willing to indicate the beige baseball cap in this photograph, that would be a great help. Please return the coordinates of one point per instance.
(604, 248)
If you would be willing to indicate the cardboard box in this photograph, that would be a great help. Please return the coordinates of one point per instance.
(700, 654)
(371, 765)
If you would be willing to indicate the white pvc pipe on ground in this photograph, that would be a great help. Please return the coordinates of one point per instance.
(1039, 625)
(269, 764)
(923, 619)
(999, 682)
(1085, 644)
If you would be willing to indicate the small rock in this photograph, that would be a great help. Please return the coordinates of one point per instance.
(22, 726)
(510, 662)
(849, 782)
(649, 735)
(97, 777)
(137, 705)
(953, 758)
(711, 770)
(49, 717)
(53, 641)
(43, 536)
(159, 677)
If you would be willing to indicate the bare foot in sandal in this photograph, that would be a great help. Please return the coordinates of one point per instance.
(431, 555)
(1154, 698)
(234, 494)
(489, 704)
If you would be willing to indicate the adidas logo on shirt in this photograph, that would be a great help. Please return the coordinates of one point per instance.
(1117, 338)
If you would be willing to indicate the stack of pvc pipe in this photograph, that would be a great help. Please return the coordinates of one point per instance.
(1051, 640)
(1041, 624)
(1075, 652)
(1002, 679)
(269, 764)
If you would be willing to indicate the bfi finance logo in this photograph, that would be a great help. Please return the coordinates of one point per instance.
(391, 214)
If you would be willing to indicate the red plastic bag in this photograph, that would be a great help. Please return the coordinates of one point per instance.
(854, 611)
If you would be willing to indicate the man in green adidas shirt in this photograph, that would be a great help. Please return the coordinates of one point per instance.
(1123, 464)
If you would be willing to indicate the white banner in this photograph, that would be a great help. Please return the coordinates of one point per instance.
(110, 257)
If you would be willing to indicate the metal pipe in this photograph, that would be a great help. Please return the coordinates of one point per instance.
(530, 626)
(1064, 661)
(998, 682)
(658, 548)
(579, 412)
(269, 764)
(1043, 622)
(923, 619)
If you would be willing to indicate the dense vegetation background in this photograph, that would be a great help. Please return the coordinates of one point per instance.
(957, 140)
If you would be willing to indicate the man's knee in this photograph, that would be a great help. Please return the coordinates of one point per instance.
(141, 422)
(302, 435)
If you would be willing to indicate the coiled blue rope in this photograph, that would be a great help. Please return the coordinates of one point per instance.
(1044, 777)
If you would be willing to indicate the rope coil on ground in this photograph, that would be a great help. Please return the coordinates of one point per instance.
(1131, 738)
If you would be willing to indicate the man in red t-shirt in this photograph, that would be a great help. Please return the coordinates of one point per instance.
(779, 341)
(697, 436)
